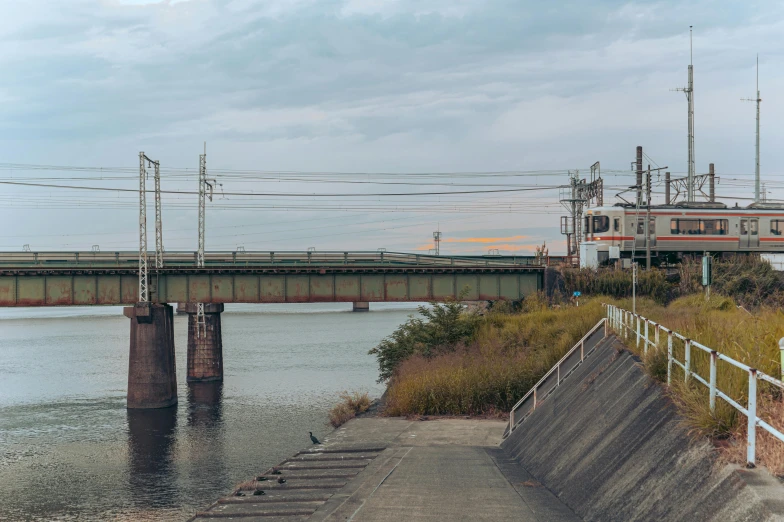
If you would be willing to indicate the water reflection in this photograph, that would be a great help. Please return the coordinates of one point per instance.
(205, 404)
(151, 436)
(205, 437)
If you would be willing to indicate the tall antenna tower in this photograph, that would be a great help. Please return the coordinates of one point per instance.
(143, 297)
(437, 239)
(757, 163)
(689, 90)
(158, 222)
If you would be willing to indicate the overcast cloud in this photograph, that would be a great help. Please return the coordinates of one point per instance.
(369, 85)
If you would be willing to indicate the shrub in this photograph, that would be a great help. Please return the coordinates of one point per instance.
(350, 405)
(442, 328)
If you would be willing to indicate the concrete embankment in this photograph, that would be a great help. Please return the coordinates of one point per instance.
(610, 445)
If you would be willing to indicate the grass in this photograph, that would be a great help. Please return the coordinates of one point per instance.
(750, 338)
(349, 406)
(508, 354)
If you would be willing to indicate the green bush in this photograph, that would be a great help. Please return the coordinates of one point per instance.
(441, 329)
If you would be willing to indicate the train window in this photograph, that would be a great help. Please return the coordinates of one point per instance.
(776, 227)
(743, 227)
(601, 224)
(617, 225)
(640, 226)
(754, 227)
(711, 227)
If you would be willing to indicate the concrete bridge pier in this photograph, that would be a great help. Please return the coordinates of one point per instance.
(152, 375)
(361, 306)
(205, 348)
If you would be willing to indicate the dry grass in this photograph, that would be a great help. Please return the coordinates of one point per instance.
(349, 406)
(748, 338)
(509, 354)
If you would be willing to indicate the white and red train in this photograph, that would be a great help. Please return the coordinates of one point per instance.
(676, 230)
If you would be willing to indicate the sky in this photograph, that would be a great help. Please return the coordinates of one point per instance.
(367, 97)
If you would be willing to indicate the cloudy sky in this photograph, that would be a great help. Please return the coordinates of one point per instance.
(410, 96)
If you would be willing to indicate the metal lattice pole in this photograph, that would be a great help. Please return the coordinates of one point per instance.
(201, 324)
(158, 224)
(143, 297)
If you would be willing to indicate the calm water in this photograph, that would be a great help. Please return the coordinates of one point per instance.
(70, 450)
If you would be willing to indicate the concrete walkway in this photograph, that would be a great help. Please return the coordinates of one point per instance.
(392, 469)
(449, 469)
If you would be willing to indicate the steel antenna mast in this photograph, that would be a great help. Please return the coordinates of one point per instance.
(143, 297)
(204, 183)
(757, 164)
(158, 222)
(689, 90)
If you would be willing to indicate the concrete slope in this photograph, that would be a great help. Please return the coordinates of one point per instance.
(610, 445)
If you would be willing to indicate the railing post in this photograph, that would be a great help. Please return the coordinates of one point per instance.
(582, 350)
(687, 362)
(656, 335)
(511, 421)
(714, 356)
(645, 348)
(781, 348)
(751, 450)
(534, 398)
(669, 357)
(558, 375)
(638, 332)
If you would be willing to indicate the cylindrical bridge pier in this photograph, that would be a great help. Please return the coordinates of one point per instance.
(205, 343)
(152, 374)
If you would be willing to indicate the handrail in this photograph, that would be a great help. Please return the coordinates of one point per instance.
(556, 368)
(623, 322)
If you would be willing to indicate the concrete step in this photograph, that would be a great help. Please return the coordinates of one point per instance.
(265, 509)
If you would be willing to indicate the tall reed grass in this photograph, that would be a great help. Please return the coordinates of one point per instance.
(508, 355)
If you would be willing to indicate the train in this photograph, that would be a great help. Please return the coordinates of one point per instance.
(684, 229)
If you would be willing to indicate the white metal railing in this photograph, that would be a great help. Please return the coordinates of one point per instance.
(627, 323)
(532, 393)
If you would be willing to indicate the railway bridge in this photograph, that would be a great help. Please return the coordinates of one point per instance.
(112, 278)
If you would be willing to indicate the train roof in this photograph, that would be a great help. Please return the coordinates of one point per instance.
(699, 205)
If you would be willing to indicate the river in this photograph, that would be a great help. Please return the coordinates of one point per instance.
(69, 449)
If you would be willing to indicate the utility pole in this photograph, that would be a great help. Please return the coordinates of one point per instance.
(143, 297)
(204, 183)
(648, 220)
(689, 90)
(757, 162)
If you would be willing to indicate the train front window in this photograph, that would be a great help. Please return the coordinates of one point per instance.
(776, 227)
(601, 224)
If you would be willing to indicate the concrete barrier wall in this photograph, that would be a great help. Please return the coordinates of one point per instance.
(611, 446)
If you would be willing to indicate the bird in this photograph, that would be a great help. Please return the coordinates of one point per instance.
(281, 480)
(258, 492)
(314, 439)
(261, 478)
(275, 471)
(239, 494)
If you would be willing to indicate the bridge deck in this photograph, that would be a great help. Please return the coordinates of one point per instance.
(59, 280)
